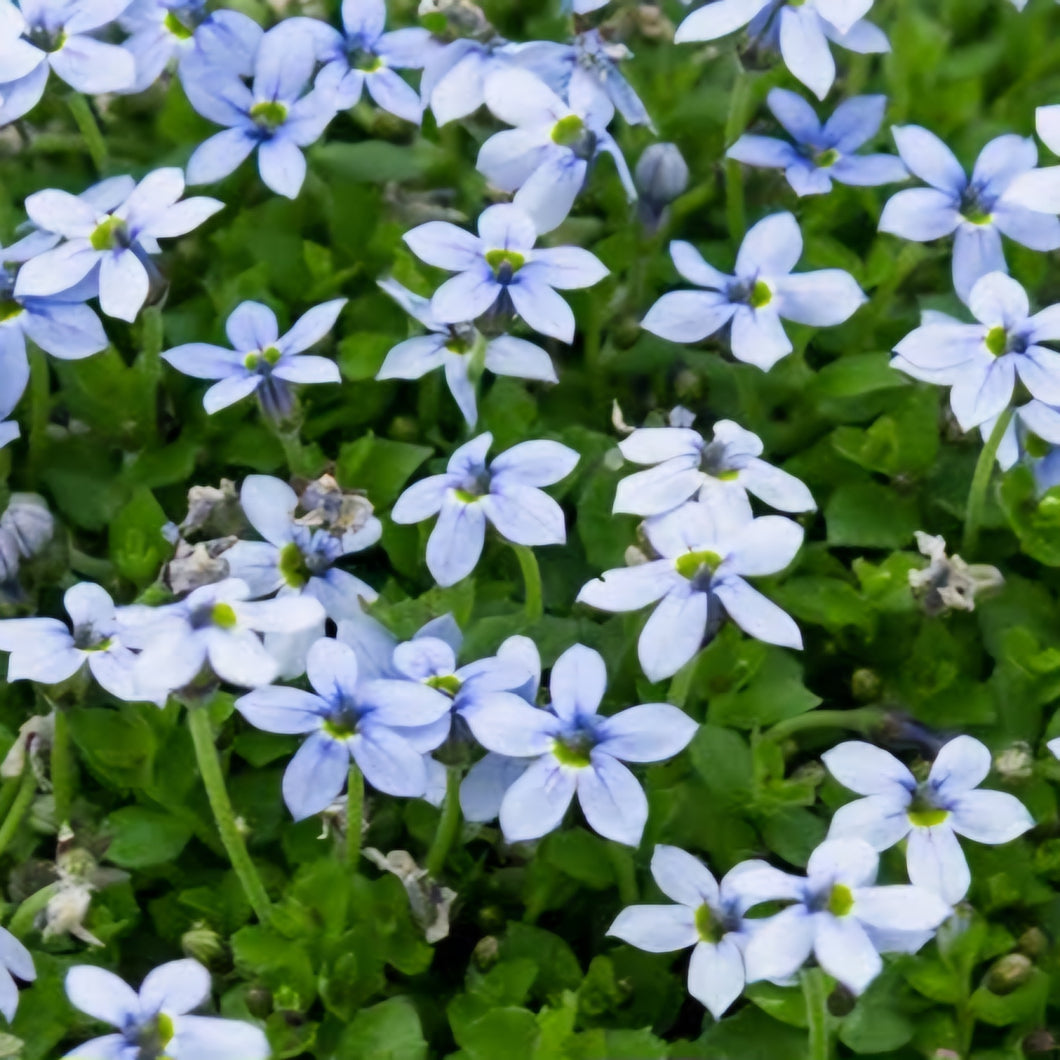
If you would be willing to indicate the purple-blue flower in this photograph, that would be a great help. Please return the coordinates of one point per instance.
(822, 153)
(501, 272)
(576, 751)
(263, 361)
(470, 493)
(754, 301)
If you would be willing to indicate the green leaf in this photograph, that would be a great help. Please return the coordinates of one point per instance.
(378, 466)
(388, 1031)
(137, 546)
(143, 837)
(775, 692)
(868, 515)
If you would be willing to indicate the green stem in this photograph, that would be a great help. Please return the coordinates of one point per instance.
(27, 788)
(681, 684)
(23, 918)
(221, 805)
(984, 468)
(813, 990)
(8, 791)
(739, 106)
(861, 719)
(62, 768)
(621, 858)
(448, 826)
(149, 362)
(535, 607)
(39, 411)
(354, 815)
(87, 125)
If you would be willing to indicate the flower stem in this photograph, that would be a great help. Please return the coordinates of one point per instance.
(532, 580)
(681, 683)
(813, 990)
(27, 788)
(39, 411)
(984, 468)
(621, 858)
(224, 816)
(354, 815)
(739, 105)
(150, 362)
(861, 719)
(87, 125)
(448, 825)
(62, 768)
(8, 790)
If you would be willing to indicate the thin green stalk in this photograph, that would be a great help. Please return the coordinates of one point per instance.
(27, 788)
(87, 125)
(681, 684)
(354, 815)
(40, 398)
(149, 362)
(984, 468)
(62, 768)
(813, 990)
(621, 858)
(448, 825)
(8, 791)
(224, 816)
(861, 719)
(739, 112)
(534, 606)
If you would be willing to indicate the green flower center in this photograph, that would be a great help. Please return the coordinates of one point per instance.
(173, 24)
(447, 683)
(293, 566)
(269, 114)
(708, 927)
(224, 616)
(155, 1036)
(504, 263)
(761, 295)
(694, 564)
(466, 496)
(977, 216)
(841, 900)
(926, 817)
(109, 234)
(340, 727)
(828, 158)
(9, 309)
(568, 131)
(573, 751)
(997, 340)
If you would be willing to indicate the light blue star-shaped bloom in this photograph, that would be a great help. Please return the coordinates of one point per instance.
(38, 35)
(705, 553)
(981, 362)
(15, 960)
(201, 41)
(454, 76)
(929, 815)
(363, 56)
(708, 917)
(978, 209)
(277, 115)
(346, 717)
(721, 471)
(471, 493)
(822, 153)
(1039, 189)
(155, 1020)
(545, 158)
(802, 29)
(110, 247)
(752, 303)
(576, 751)
(218, 625)
(460, 350)
(501, 272)
(263, 361)
(843, 920)
(581, 7)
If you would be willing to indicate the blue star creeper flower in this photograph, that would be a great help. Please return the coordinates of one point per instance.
(15, 960)
(38, 35)
(801, 28)
(980, 362)
(977, 209)
(201, 41)
(753, 302)
(454, 76)
(263, 361)
(364, 57)
(708, 917)
(545, 159)
(575, 750)
(500, 271)
(705, 554)
(839, 917)
(155, 1021)
(461, 350)
(505, 494)
(581, 7)
(275, 116)
(722, 471)
(347, 718)
(114, 246)
(928, 816)
(822, 153)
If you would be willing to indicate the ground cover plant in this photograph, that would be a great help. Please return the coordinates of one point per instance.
(529, 530)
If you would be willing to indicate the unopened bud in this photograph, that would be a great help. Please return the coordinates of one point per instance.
(661, 174)
(485, 953)
(841, 1001)
(1008, 973)
(201, 943)
(1039, 1042)
(865, 685)
(259, 1001)
(1033, 942)
(1015, 762)
(29, 522)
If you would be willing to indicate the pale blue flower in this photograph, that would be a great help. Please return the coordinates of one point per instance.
(722, 471)
(705, 551)
(977, 209)
(38, 35)
(708, 917)
(500, 272)
(277, 115)
(928, 815)
(1039, 189)
(470, 493)
(754, 301)
(822, 153)
(461, 350)
(545, 159)
(576, 751)
(581, 7)
(454, 76)
(155, 1020)
(346, 717)
(110, 247)
(263, 361)
(981, 362)
(843, 920)
(802, 29)
(15, 960)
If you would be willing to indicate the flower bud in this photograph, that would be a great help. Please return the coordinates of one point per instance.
(865, 685)
(1015, 762)
(29, 522)
(485, 954)
(1008, 973)
(1033, 942)
(1040, 1042)
(201, 943)
(661, 174)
